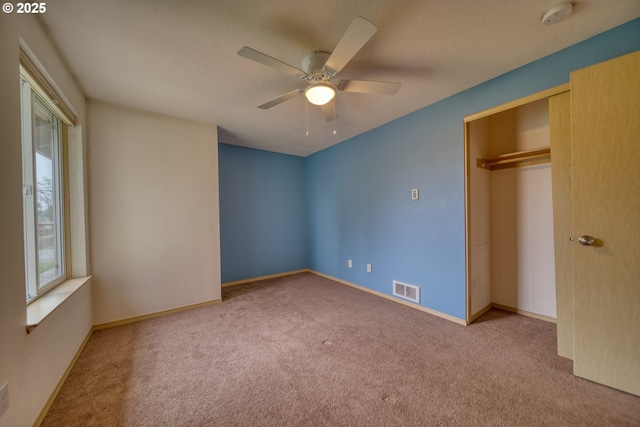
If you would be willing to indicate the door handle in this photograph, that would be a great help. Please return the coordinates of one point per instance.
(586, 240)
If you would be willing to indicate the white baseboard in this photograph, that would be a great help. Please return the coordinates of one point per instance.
(270, 276)
(152, 315)
(524, 313)
(390, 298)
(54, 394)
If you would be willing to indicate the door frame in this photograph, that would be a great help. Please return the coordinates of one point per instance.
(469, 163)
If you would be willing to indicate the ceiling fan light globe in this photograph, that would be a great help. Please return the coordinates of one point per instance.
(320, 93)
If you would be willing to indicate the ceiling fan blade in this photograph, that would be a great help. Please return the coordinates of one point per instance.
(357, 35)
(367, 86)
(260, 57)
(280, 99)
(328, 110)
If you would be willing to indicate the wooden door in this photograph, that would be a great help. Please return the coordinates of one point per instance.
(605, 129)
(560, 134)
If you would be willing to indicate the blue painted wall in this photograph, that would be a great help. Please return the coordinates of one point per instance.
(262, 213)
(359, 192)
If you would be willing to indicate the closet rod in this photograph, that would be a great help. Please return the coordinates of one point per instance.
(538, 154)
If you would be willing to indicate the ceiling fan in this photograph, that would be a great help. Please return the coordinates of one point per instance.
(319, 69)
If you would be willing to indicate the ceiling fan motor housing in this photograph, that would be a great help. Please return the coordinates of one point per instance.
(313, 61)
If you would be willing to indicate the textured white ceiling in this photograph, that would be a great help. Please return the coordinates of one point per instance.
(179, 57)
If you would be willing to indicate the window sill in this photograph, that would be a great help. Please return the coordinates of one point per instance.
(39, 309)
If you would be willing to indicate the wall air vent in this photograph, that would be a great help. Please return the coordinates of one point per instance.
(403, 290)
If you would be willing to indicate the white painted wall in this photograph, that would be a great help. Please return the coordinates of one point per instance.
(32, 364)
(154, 214)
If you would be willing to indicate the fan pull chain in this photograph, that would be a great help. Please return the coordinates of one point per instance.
(306, 105)
(334, 116)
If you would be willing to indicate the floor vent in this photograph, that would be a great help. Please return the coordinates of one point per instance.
(410, 292)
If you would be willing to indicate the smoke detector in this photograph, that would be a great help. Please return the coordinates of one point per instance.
(557, 13)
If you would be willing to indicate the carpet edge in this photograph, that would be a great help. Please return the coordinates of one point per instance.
(388, 297)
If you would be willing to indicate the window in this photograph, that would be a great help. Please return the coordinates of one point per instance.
(43, 132)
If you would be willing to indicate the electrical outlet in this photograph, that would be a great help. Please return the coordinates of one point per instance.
(368, 268)
(415, 194)
(4, 398)
(349, 263)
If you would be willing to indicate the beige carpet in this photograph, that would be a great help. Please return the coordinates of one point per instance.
(306, 351)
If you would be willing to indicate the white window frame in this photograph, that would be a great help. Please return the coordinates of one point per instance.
(32, 94)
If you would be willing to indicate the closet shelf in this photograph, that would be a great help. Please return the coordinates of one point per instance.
(529, 157)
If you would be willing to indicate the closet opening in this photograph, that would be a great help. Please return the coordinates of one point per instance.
(509, 210)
